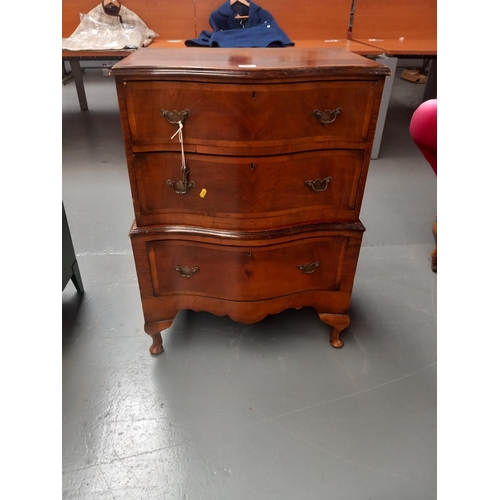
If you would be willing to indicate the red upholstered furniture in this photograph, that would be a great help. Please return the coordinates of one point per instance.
(423, 130)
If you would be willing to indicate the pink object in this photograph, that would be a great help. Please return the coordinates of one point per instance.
(423, 130)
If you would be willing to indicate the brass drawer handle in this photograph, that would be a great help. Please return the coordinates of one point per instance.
(319, 185)
(186, 271)
(183, 186)
(327, 116)
(309, 267)
(175, 116)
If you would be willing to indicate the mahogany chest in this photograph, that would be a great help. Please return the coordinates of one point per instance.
(247, 170)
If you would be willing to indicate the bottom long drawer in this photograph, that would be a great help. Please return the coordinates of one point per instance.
(203, 269)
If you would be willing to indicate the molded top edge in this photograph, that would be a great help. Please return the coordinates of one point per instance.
(246, 62)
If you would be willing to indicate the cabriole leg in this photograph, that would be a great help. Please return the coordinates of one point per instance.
(154, 330)
(338, 322)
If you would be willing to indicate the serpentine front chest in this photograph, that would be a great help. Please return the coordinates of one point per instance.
(247, 170)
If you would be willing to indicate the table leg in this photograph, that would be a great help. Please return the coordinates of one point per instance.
(80, 89)
(391, 63)
(430, 91)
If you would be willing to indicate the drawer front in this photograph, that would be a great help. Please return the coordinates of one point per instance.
(248, 116)
(245, 273)
(248, 192)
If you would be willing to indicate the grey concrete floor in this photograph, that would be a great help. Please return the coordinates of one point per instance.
(267, 411)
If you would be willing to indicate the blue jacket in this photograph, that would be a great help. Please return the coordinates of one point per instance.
(259, 30)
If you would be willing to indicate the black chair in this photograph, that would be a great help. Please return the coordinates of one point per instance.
(70, 269)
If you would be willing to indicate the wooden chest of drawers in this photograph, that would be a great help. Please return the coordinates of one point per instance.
(247, 170)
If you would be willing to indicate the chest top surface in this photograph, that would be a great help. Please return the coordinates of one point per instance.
(246, 63)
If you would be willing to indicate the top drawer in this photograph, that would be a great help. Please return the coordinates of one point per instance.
(261, 118)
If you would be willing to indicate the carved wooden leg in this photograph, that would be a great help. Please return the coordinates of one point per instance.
(434, 253)
(338, 322)
(154, 330)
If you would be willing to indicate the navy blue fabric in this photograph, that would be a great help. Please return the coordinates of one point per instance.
(259, 30)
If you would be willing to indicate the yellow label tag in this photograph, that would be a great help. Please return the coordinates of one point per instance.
(203, 192)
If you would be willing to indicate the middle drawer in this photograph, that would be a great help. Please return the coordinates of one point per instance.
(248, 192)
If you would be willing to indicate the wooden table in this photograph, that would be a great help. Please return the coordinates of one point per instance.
(402, 46)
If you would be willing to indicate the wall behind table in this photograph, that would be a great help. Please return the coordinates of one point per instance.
(392, 19)
(304, 20)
